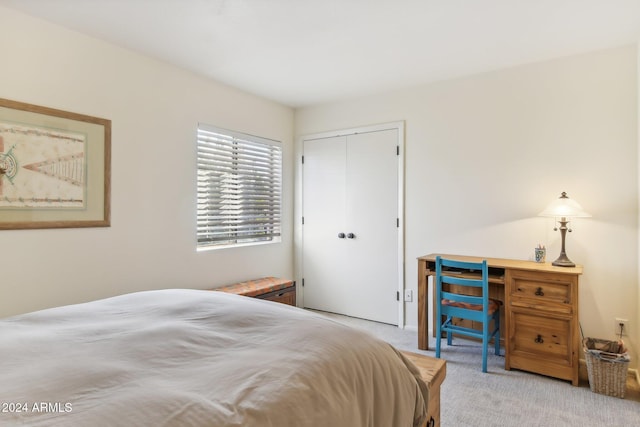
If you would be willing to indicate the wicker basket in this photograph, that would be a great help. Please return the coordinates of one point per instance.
(607, 369)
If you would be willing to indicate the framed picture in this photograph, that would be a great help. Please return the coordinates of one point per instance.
(54, 168)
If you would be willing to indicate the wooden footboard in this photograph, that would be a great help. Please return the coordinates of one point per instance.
(433, 372)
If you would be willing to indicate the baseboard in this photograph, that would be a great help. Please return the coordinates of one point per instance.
(583, 374)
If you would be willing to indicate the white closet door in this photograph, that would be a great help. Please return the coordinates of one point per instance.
(371, 215)
(350, 186)
(324, 196)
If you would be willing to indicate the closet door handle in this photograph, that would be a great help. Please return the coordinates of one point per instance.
(351, 236)
(341, 236)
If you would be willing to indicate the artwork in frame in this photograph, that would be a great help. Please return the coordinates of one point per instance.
(54, 168)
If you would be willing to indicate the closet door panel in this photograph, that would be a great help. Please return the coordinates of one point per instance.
(324, 196)
(371, 215)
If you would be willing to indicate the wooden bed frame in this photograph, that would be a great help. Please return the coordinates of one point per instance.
(433, 372)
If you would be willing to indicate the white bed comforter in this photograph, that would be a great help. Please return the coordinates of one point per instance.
(199, 358)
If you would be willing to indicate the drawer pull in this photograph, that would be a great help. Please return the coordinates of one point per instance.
(539, 292)
(539, 339)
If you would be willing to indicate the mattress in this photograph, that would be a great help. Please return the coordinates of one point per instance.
(197, 358)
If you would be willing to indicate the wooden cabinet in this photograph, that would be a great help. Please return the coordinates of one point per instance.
(542, 332)
(269, 288)
(285, 295)
(433, 371)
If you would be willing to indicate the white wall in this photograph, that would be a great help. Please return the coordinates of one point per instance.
(485, 154)
(154, 109)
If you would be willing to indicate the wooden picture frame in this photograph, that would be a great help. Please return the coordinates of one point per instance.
(55, 168)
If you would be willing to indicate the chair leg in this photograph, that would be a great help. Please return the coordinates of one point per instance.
(485, 344)
(449, 334)
(496, 338)
(438, 336)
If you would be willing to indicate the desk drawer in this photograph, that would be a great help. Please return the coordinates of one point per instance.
(545, 337)
(544, 345)
(541, 290)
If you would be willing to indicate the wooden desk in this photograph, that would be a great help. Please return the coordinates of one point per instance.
(540, 328)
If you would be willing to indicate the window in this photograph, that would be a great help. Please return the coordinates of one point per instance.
(239, 188)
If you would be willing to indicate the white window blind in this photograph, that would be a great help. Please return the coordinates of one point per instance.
(239, 188)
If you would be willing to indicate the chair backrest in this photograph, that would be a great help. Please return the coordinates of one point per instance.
(463, 275)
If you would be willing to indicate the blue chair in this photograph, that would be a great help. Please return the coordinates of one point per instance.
(455, 299)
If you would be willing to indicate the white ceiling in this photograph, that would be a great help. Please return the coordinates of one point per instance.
(305, 52)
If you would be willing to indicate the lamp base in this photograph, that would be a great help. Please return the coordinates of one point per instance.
(563, 261)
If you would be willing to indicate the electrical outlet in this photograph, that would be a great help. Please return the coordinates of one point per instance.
(408, 295)
(624, 328)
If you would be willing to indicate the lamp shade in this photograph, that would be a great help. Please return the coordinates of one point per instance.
(564, 207)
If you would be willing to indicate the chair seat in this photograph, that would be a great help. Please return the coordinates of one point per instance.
(494, 305)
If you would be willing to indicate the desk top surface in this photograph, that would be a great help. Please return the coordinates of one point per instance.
(508, 263)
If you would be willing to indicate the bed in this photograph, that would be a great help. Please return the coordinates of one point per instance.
(198, 358)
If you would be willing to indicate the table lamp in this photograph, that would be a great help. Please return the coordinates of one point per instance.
(564, 207)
